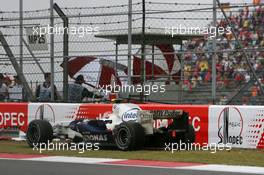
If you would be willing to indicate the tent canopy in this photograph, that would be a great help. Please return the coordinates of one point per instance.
(150, 38)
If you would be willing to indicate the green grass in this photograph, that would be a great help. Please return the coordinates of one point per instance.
(233, 157)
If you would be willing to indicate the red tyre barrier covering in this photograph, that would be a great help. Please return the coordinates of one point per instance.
(14, 114)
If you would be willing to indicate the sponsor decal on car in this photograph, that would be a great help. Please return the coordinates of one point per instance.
(160, 114)
(95, 137)
(130, 115)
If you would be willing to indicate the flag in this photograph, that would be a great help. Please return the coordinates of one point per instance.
(108, 75)
(88, 66)
(77, 63)
(166, 63)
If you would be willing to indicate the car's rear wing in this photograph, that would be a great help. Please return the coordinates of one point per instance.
(166, 114)
(180, 118)
(161, 114)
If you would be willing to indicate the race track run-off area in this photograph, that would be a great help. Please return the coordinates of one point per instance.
(67, 165)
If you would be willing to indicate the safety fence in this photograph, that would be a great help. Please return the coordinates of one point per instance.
(175, 40)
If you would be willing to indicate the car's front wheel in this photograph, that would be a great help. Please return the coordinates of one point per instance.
(39, 131)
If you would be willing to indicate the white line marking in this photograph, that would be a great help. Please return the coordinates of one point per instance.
(65, 159)
(227, 168)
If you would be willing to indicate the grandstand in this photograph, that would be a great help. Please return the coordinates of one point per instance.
(232, 71)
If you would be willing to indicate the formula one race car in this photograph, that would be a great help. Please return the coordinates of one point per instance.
(128, 127)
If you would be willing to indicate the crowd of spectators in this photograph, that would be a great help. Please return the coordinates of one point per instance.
(231, 65)
(11, 89)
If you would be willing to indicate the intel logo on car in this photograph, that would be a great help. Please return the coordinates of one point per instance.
(130, 115)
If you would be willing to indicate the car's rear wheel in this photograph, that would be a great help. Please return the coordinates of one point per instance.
(77, 139)
(129, 136)
(186, 138)
(190, 135)
(39, 131)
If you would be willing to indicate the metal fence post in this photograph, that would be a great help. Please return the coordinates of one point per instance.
(52, 49)
(65, 50)
(21, 33)
(214, 56)
(129, 42)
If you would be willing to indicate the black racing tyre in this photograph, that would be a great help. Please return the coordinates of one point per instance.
(186, 139)
(190, 135)
(39, 131)
(77, 139)
(129, 136)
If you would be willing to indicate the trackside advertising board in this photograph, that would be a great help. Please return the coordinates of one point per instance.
(15, 114)
(241, 126)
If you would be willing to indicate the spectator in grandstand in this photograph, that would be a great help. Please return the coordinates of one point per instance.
(77, 92)
(3, 88)
(262, 81)
(194, 82)
(208, 76)
(16, 91)
(187, 71)
(219, 81)
(254, 90)
(203, 67)
(223, 100)
(43, 92)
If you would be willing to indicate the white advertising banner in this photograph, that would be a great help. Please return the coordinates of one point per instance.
(240, 126)
(36, 40)
(53, 112)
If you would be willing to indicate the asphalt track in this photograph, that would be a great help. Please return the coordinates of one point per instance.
(22, 167)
